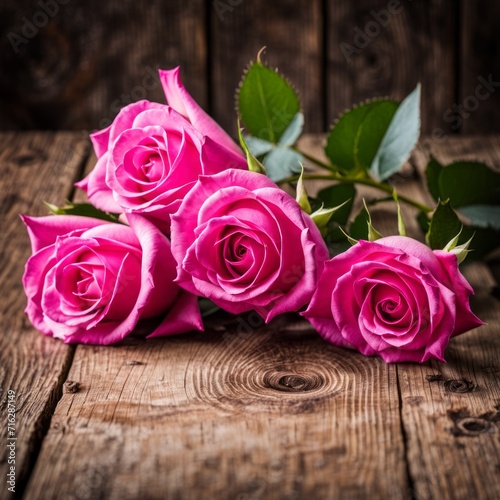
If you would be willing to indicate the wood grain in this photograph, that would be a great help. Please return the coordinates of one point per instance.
(292, 33)
(91, 59)
(415, 45)
(35, 167)
(230, 413)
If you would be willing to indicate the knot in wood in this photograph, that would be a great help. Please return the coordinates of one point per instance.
(293, 382)
(29, 159)
(459, 386)
(472, 426)
(71, 386)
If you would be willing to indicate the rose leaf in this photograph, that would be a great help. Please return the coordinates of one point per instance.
(399, 139)
(354, 138)
(266, 102)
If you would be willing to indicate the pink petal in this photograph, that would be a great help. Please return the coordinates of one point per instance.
(43, 231)
(465, 320)
(184, 317)
(158, 268)
(98, 192)
(179, 98)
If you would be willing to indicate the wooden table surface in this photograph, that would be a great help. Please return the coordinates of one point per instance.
(241, 411)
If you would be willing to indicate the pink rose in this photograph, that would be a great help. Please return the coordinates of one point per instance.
(91, 281)
(394, 297)
(246, 244)
(152, 154)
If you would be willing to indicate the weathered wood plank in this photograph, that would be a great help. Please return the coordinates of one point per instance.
(35, 167)
(373, 53)
(292, 32)
(89, 60)
(451, 411)
(273, 413)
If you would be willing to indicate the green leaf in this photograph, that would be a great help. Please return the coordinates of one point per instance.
(339, 194)
(83, 209)
(444, 226)
(301, 195)
(267, 103)
(343, 142)
(254, 165)
(362, 227)
(399, 139)
(372, 132)
(483, 215)
(472, 188)
(401, 222)
(432, 173)
(207, 307)
(359, 227)
(351, 240)
(322, 216)
(423, 221)
(293, 131)
(469, 183)
(453, 242)
(258, 147)
(281, 162)
(485, 241)
(373, 234)
(461, 251)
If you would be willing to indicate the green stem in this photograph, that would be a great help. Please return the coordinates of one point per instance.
(389, 189)
(366, 181)
(322, 164)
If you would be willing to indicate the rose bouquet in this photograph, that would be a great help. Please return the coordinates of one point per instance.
(181, 213)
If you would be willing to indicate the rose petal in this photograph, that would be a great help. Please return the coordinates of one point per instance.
(184, 317)
(43, 231)
(98, 191)
(179, 99)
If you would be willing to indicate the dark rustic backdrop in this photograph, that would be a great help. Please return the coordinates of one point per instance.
(69, 64)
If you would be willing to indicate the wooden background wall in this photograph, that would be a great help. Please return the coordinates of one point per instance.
(76, 65)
